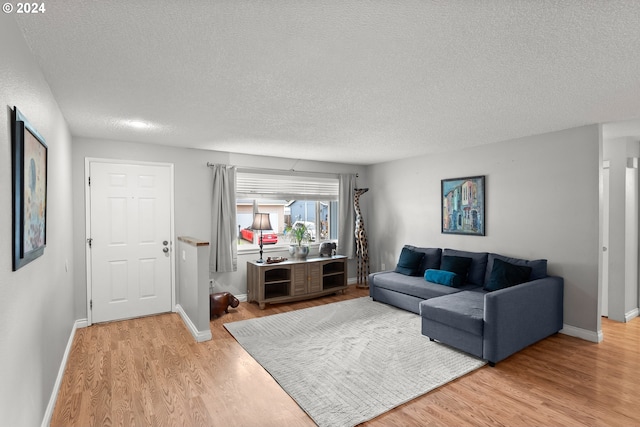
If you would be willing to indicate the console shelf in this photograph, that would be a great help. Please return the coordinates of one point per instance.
(295, 280)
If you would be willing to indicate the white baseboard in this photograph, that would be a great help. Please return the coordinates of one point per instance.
(48, 413)
(82, 323)
(198, 335)
(628, 316)
(584, 334)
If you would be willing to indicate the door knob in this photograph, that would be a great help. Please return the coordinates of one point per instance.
(165, 250)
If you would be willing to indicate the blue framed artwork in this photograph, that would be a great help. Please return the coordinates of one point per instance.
(29, 191)
(463, 206)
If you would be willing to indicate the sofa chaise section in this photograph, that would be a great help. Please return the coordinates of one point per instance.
(484, 316)
(495, 325)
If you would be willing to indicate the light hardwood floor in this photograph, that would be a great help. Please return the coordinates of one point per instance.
(150, 372)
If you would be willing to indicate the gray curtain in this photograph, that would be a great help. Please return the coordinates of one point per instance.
(347, 218)
(224, 233)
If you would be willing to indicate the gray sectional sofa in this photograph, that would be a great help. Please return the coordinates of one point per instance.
(498, 306)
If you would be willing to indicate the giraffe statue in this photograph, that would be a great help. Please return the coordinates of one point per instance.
(362, 247)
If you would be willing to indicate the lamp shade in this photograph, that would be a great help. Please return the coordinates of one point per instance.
(261, 222)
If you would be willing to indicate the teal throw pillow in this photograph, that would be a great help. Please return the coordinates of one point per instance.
(440, 277)
(458, 265)
(504, 275)
(409, 262)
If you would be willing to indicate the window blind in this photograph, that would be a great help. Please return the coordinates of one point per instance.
(288, 187)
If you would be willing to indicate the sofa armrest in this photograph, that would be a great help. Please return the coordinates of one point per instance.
(371, 282)
(521, 315)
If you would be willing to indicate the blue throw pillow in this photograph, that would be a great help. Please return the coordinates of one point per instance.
(477, 268)
(409, 262)
(440, 277)
(538, 266)
(432, 257)
(458, 265)
(504, 275)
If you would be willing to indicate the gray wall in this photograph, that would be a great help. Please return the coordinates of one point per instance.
(192, 197)
(542, 201)
(37, 313)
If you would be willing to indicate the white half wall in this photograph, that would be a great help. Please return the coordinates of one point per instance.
(192, 259)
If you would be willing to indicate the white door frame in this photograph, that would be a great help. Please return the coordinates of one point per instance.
(604, 255)
(87, 206)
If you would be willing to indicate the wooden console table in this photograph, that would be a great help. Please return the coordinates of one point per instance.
(295, 280)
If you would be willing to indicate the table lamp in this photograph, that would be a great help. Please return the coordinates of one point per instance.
(261, 222)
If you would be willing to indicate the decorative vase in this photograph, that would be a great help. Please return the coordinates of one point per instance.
(299, 251)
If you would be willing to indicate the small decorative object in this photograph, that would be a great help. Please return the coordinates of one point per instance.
(219, 303)
(327, 248)
(275, 259)
(261, 222)
(300, 236)
(362, 246)
(29, 191)
(463, 206)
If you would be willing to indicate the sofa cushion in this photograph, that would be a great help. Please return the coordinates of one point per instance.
(457, 265)
(504, 275)
(410, 262)
(411, 285)
(478, 267)
(538, 266)
(431, 258)
(463, 310)
(441, 277)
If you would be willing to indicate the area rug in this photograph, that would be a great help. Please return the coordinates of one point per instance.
(348, 362)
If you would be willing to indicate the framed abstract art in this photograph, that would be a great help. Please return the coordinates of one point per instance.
(29, 167)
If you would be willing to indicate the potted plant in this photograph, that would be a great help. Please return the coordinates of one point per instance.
(299, 236)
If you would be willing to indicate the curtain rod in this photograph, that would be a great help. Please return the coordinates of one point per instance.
(281, 171)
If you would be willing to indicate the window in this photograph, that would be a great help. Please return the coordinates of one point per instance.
(288, 199)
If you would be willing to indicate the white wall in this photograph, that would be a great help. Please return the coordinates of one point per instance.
(542, 201)
(192, 196)
(623, 228)
(37, 313)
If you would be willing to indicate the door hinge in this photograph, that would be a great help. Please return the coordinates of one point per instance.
(89, 241)
(89, 181)
(90, 304)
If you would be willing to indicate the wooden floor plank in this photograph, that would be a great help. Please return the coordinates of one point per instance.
(150, 372)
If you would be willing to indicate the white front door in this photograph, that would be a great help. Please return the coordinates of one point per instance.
(130, 240)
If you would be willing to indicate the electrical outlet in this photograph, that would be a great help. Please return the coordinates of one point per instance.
(383, 266)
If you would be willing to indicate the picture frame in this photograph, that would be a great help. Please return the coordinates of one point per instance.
(463, 206)
(29, 167)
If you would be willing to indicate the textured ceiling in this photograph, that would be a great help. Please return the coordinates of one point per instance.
(347, 80)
